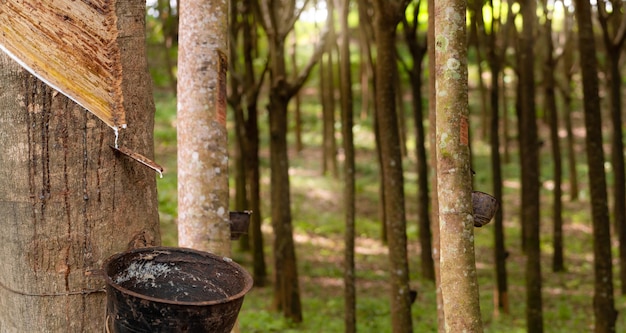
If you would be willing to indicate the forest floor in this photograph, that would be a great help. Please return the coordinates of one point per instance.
(318, 231)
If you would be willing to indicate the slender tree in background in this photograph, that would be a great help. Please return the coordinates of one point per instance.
(277, 19)
(349, 192)
(327, 78)
(459, 284)
(566, 89)
(297, 100)
(496, 46)
(432, 139)
(614, 35)
(387, 16)
(244, 97)
(401, 112)
(477, 40)
(366, 36)
(366, 16)
(529, 156)
(69, 201)
(417, 47)
(603, 299)
(555, 145)
(235, 101)
(169, 27)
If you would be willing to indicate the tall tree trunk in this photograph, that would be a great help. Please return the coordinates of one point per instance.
(459, 284)
(617, 160)
(501, 298)
(529, 152)
(328, 114)
(330, 141)
(323, 91)
(286, 285)
(349, 192)
(603, 301)
(203, 219)
(495, 60)
(387, 17)
(418, 52)
(297, 102)
(167, 22)
(254, 194)
(235, 97)
(366, 62)
(566, 91)
(69, 201)
(241, 193)
(552, 114)
(401, 113)
(505, 122)
(476, 24)
(432, 138)
(423, 199)
(614, 45)
(368, 31)
(246, 87)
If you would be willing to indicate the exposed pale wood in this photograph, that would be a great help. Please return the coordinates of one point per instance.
(72, 46)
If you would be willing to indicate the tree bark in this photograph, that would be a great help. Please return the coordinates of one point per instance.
(330, 141)
(432, 139)
(613, 44)
(203, 219)
(69, 200)
(529, 151)
(459, 284)
(253, 174)
(551, 109)
(418, 52)
(495, 59)
(297, 105)
(349, 192)
(603, 299)
(286, 285)
(387, 17)
(566, 92)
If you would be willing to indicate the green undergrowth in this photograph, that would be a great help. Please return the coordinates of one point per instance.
(319, 227)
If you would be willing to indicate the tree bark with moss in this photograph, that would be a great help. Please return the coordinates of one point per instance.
(459, 284)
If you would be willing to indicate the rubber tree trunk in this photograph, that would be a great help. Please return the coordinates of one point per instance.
(494, 59)
(349, 190)
(566, 92)
(203, 218)
(529, 152)
(459, 284)
(551, 108)
(387, 17)
(603, 299)
(613, 43)
(432, 140)
(68, 200)
(251, 86)
(418, 48)
(281, 91)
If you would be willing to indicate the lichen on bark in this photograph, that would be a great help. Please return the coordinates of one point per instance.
(459, 286)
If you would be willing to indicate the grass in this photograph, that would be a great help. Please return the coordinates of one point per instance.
(318, 232)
